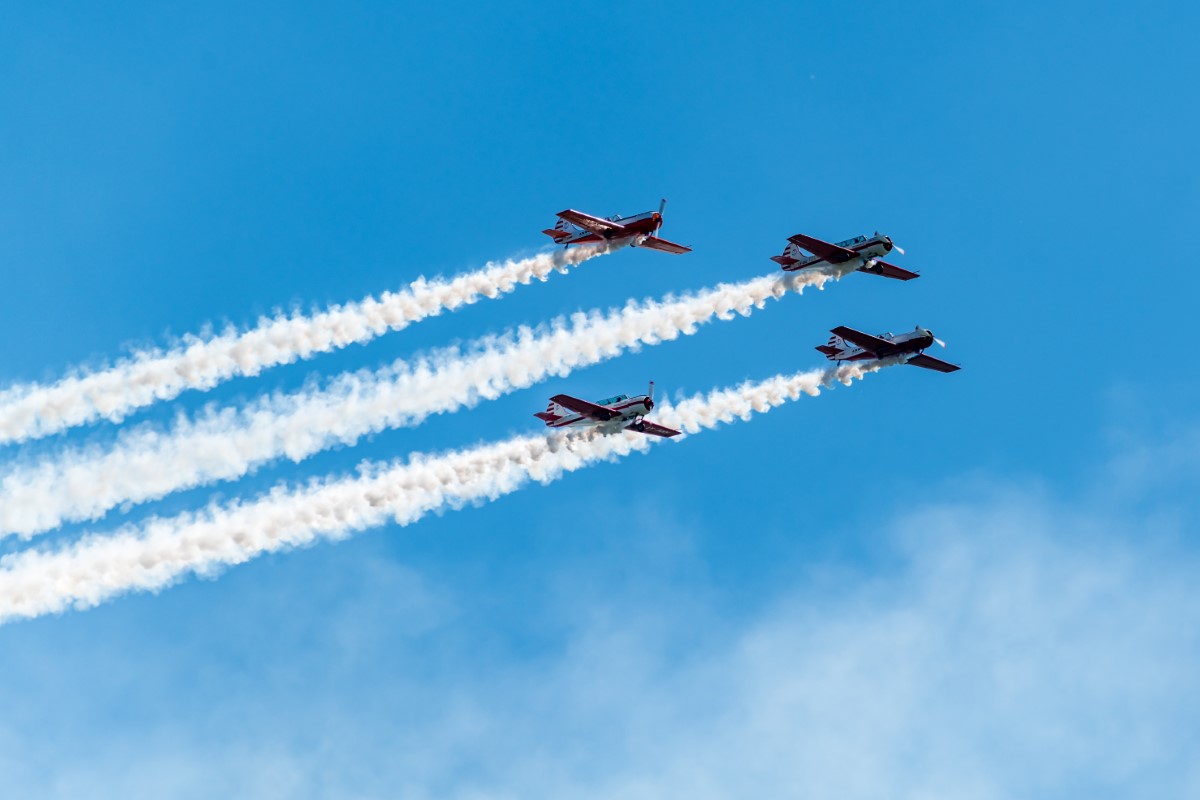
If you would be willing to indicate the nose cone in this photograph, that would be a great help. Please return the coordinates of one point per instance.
(887, 244)
(649, 404)
(657, 220)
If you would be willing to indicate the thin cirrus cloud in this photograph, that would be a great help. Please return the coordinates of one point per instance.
(1006, 627)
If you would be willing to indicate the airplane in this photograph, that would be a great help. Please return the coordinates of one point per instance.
(609, 415)
(576, 227)
(866, 251)
(847, 344)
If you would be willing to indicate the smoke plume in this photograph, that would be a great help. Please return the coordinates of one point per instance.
(147, 463)
(31, 410)
(99, 567)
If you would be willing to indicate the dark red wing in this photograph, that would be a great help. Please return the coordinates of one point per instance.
(929, 362)
(584, 407)
(653, 429)
(830, 252)
(866, 341)
(602, 227)
(892, 271)
(654, 243)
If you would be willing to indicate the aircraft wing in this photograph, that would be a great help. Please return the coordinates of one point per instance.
(892, 271)
(830, 252)
(655, 243)
(600, 227)
(866, 341)
(929, 362)
(653, 429)
(584, 407)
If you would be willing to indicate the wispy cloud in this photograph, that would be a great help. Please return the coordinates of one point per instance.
(1005, 641)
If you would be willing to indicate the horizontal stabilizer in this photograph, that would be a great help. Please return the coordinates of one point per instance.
(828, 350)
(557, 234)
(547, 417)
(784, 261)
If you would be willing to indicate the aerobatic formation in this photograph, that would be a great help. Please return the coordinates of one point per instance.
(859, 254)
(146, 462)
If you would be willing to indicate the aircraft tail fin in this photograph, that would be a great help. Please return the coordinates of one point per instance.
(791, 255)
(833, 347)
(553, 413)
(560, 231)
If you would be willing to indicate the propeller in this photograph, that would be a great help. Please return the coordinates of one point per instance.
(650, 397)
(661, 205)
(929, 333)
(898, 249)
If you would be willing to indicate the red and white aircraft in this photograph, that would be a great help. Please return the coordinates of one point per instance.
(576, 227)
(866, 252)
(609, 415)
(847, 344)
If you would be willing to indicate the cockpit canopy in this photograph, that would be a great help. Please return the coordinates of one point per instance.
(612, 400)
(852, 242)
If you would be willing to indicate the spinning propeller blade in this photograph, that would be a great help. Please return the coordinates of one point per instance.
(929, 333)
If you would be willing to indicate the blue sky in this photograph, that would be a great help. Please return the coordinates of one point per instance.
(976, 585)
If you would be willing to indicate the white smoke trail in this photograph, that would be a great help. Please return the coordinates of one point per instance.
(146, 463)
(98, 567)
(32, 410)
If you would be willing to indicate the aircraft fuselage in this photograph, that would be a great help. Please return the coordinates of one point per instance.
(877, 246)
(627, 409)
(904, 344)
(637, 225)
